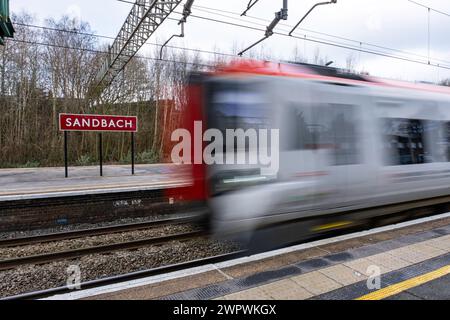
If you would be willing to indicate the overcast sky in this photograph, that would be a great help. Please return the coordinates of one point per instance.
(397, 24)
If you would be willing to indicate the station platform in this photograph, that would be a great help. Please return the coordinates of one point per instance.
(410, 260)
(37, 183)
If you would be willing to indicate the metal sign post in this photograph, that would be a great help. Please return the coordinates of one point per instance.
(100, 152)
(97, 123)
(66, 161)
(132, 153)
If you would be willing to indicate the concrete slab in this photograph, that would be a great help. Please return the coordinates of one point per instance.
(251, 295)
(285, 290)
(362, 266)
(20, 184)
(337, 275)
(441, 243)
(388, 261)
(429, 251)
(409, 254)
(343, 274)
(316, 282)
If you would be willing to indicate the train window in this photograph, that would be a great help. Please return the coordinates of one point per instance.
(345, 136)
(298, 130)
(332, 127)
(291, 130)
(404, 141)
(437, 133)
(446, 139)
(309, 130)
(237, 106)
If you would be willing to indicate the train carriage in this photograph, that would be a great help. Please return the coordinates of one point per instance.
(352, 149)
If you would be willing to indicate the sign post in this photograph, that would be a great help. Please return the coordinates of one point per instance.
(66, 157)
(100, 152)
(100, 124)
(132, 153)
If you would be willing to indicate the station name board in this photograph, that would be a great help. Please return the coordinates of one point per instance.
(100, 123)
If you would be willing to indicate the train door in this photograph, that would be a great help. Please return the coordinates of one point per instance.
(343, 137)
(300, 167)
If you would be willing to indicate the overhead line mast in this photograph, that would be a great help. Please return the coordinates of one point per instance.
(143, 20)
(6, 27)
(186, 13)
(280, 15)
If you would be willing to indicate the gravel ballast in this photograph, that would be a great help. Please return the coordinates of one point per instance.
(95, 241)
(39, 277)
(84, 226)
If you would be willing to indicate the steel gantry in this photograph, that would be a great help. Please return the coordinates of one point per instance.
(6, 27)
(143, 20)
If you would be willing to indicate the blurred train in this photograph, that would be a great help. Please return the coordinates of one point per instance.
(353, 149)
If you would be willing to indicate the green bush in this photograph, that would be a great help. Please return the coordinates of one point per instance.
(31, 164)
(85, 160)
(147, 157)
(125, 159)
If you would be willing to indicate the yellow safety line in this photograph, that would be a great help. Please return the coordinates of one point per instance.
(334, 225)
(405, 285)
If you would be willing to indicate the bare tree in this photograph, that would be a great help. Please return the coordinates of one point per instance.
(46, 72)
(318, 59)
(350, 63)
(297, 56)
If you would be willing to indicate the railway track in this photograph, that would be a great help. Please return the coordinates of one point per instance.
(120, 278)
(12, 263)
(129, 276)
(15, 242)
(72, 254)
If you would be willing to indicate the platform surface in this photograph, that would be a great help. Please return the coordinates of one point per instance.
(406, 261)
(17, 184)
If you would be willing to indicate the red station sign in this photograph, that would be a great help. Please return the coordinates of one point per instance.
(99, 123)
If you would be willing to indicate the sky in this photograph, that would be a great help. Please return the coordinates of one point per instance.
(395, 24)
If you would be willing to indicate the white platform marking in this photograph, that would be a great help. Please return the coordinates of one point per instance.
(214, 267)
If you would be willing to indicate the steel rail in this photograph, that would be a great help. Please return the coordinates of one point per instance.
(137, 275)
(95, 231)
(72, 254)
(128, 277)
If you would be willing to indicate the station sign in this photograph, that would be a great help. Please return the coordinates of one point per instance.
(98, 123)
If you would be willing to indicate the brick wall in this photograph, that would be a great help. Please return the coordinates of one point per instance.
(43, 213)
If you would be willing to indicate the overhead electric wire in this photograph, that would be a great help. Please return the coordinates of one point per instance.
(429, 8)
(105, 52)
(317, 40)
(112, 38)
(304, 38)
(338, 45)
(238, 18)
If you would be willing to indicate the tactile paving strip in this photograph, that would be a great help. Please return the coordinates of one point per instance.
(264, 278)
(360, 289)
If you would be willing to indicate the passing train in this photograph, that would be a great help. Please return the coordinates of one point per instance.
(353, 149)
